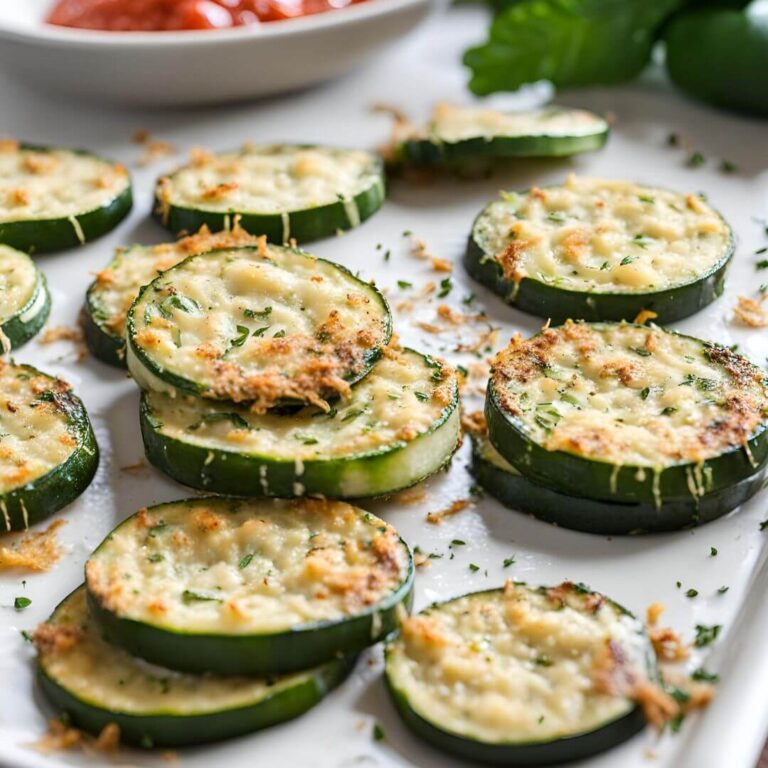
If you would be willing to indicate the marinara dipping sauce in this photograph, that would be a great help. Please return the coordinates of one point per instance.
(168, 15)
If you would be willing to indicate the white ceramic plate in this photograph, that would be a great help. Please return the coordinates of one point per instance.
(198, 67)
(635, 571)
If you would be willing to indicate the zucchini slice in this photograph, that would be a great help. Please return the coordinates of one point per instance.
(286, 191)
(115, 288)
(399, 425)
(522, 676)
(234, 586)
(24, 298)
(628, 413)
(52, 198)
(96, 684)
(49, 453)
(265, 325)
(597, 249)
(502, 481)
(456, 134)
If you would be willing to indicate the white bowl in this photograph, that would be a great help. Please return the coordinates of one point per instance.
(198, 67)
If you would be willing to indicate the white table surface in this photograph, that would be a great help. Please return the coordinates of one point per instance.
(635, 571)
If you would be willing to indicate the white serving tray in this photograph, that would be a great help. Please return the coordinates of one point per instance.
(634, 571)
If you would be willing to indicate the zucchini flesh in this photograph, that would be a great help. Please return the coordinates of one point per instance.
(485, 676)
(628, 413)
(58, 198)
(597, 249)
(96, 684)
(265, 325)
(233, 587)
(497, 477)
(456, 134)
(49, 450)
(287, 192)
(115, 288)
(398, 426)
(24, 299)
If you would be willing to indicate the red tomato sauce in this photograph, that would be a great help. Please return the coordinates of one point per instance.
(168, 15)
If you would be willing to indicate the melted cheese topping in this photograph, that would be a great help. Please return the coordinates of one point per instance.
(260, 325)
(403, 397)
(630, 395)
(603, 236)
(56, 183)
(452, 123)
(73, 653)
(516, 665)
(19, 282)
(35, 431)
(227, 567)
(116, 287)
(270, 179)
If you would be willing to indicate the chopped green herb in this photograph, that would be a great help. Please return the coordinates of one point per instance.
(279, 334)
(764, 525)
(421, 396)
(644, 393)
(468, 299)
(543, 661)
(155, 557)
(404, 285)
(695, 160)
(558, 217)
(669, 410)
(673, 140)
(212, 418)
(642, 241)
(702, 675)
(245, 561)
(509, 561)
(261, 331)
(713, 551)
(692, 593)
(446, 286)
(458, 543)
(266, 312)
(646, 199)
(189, 596)
(20, 603)
(640, 351)
(726, 166)
(762, 264)
(706, 635)
(474, 568)
(242, 335)
(177, 301)
(352, 414)
(378, 732)
(722, 590)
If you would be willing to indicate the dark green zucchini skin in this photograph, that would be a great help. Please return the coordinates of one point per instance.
(304, 225)
(19, 332)
(243, 474)
(579, 476)
(432, 152)
(560, 304)
(102, 344)
(45, 235)
(166, 729)
(257, 655)
(38, 500)
(606, 518)
(533, 754)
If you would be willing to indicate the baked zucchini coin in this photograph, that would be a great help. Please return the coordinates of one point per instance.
(97, 684)
(457, 134)
(115, 288)
(497, 477)
(53, 198)
(235, 586)
(24, 299)
(628, 413)
(49, 452)
(521, 676)
(284, 191)
(398, 426)
(264, 326)
(598, 249)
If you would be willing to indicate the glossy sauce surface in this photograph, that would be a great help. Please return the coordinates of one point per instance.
(173, 15)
